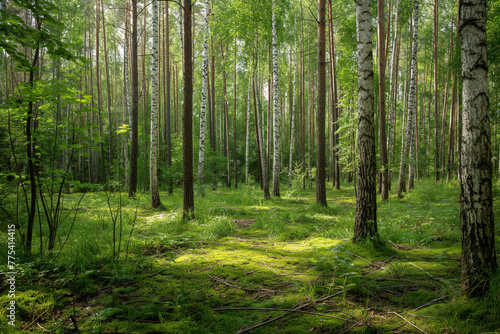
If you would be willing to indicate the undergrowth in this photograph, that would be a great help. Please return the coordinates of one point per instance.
(244, 260)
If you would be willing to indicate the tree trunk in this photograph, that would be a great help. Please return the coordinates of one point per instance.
(235, 159)
(108, 89)
(320, 113)
(292, 122)
(226, 121)
(436, 95)
(335, 109)
(102, 177)
(365, 220)
(153, 153)
(382, 138)
(247, 131)
(187, 120)
(168, 110)
(479, 262)
(132, 187)
(276, 129)
(203, 109)
(128, 107)
(412, 106)
(262, 159)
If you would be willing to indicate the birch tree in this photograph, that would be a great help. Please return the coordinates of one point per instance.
(365, 220)
(412, 106)
(247, 129)
(276, 129)
(479, 262)
(292, 127)
(153, 153)
(203, 108)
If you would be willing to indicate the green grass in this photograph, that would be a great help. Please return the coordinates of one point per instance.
(243, 259)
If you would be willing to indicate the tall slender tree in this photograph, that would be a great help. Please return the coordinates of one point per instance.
(382, 138)
(153, 153)
(412, 106)
(320, 113)
(479, 262)
(203, 108)
(365, 220)
(436, 95)
(276, 118)
(187, 121)
(134, 148)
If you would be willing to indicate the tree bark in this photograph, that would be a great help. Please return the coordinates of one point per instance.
(276, 129)
(436, 95)
(382, 138)
(132, 187)
(262, 159)
(320, 113)
(412, 106)
(108, 89)
(365, 220)
(153, 153)
(203, 108)
(479, 262)
(187, 120)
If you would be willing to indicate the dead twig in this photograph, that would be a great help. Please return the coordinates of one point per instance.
(434, 278)
(36, 319)
(409, 323)
(270, 268)
(430, 303)
(279, 310)
(295, 308)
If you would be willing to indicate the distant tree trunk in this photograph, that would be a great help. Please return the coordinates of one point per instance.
(393, 94)
(132, 187)
(292, 122)
(153, 153)
(102, 177)
(436, 95)
(412, 106)
(226, 122)
(247, 131)
(382, 138)
(320, 115)
(187, 121)
(335, 109)
(276, 124)
(235, 159)
(203, 109)
(128, 107)
(108, 90)
(260, 144)
(31, 147)
(479, 262)
(365, 220)
(302, 100)
(168, 110)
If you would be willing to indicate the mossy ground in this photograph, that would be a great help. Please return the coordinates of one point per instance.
(244, 260)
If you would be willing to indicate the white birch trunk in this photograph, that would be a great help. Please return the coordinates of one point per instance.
(393, 89)
(276, 114)
(247, 133)
(153, 153)
(292, 133)
(128, 104)
(365, 220)
(412, 106)
(203, 109)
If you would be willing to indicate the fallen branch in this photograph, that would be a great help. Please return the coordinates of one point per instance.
(279, 310)
(36, 319)
(295, 308)
(409, 323)
(430, 303)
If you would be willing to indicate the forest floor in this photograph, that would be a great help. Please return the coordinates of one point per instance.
(245, 265)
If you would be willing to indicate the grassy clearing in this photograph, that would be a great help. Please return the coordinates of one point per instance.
(243, 261)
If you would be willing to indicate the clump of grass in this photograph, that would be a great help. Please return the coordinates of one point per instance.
(217, 227)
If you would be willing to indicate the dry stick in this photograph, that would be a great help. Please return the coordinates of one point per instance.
(409, 323)
(25, 328)
(429, 303)
(434, 278)
(309, 237)
(293, 309)
(278, 309)
(237, 286)
(270, 268)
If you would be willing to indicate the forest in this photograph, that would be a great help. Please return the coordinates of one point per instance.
(249, 166)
